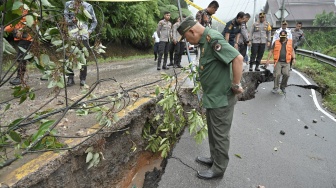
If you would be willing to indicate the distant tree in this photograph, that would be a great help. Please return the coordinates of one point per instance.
(325, 19)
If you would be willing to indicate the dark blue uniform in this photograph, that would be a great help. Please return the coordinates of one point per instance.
(232, 27)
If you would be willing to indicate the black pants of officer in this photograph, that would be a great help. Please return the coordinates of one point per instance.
(242, 49)
(257, 52)
(22, 63)
(178, 52)
(171, 53)
(156, 50)
(163, 51)
(83, 71)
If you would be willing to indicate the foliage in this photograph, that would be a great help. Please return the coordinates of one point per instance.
(325, 19)
(322, 74)
(164, 129)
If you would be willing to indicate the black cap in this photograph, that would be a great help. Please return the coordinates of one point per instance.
(188, 23)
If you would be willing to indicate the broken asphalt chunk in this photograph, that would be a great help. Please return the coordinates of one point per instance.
(306, 127)
(282, 132)
(314, 121)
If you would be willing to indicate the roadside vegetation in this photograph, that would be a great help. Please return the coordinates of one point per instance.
(323, 74)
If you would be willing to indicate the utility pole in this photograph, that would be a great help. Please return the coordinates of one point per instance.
(282, 11)
(254, 11)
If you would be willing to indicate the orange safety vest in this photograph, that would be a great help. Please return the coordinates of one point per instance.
(277, 49)
(19, 26)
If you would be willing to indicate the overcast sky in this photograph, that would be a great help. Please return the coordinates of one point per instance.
(228, 9)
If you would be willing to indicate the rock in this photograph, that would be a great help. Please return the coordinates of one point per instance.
(306, 127)
(314, 121)
(282, 132)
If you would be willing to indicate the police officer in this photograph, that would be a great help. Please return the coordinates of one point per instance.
(260, 34)
(220, 72)
(298, 37)
(164, 32)
(204, 16)
(244, 36)
(178, 45)
(284, 25)
(232, 29)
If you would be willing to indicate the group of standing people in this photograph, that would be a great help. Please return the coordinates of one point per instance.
(25, 40)
(167, 41)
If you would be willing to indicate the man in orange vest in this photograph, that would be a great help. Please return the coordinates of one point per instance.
(282, 51)
(20, 34)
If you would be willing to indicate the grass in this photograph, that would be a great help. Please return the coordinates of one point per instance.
(324, 75)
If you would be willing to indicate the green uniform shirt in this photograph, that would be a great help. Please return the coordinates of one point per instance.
(215, 68)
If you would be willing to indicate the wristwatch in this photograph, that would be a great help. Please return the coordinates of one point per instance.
(236, 86)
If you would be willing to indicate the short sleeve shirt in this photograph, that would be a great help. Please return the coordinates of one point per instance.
(232, 27)
(215, 68)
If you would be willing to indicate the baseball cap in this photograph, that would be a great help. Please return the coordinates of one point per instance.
(284, 22)
(185, 25)
(261, 14)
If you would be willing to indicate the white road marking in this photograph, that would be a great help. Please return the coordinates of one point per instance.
(315, 98)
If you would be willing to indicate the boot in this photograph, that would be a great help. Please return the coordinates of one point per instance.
(71, 81)
(257, 66)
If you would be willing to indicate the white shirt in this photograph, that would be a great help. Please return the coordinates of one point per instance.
(156, 37)
(276, 35)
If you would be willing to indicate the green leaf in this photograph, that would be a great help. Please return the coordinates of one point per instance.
(22, 98)
(87, 14)
(32, 96)
(163, 140)
(89, 156)
(46, 3)
(15, 122)
(57, 42)
(237, 155)
(14, 136)
(29, 20)
(7, 107)
(89, 149)
(46, 124)
(17, 5)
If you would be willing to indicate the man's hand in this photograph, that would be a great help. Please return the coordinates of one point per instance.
(236, 46)
(238, 90)
(268, 44)
(294, 61)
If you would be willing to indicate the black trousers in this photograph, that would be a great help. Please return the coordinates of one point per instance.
(22, 63)
(163, 51)
(242, 49)
(257, 52)
(171, 52)
(179, 48)
(156, 50)
(83, 71)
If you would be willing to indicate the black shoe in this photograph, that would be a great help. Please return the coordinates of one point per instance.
(179, 66)
(82, 83)
(16, 81)
(250, 69)
(256, 69)
(70, 82)
(158, 68)
(170, 64)
(209, 174)
(165, 68)
(204, 160)
(283, 90)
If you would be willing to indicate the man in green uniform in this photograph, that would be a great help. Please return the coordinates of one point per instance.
(220, 71)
